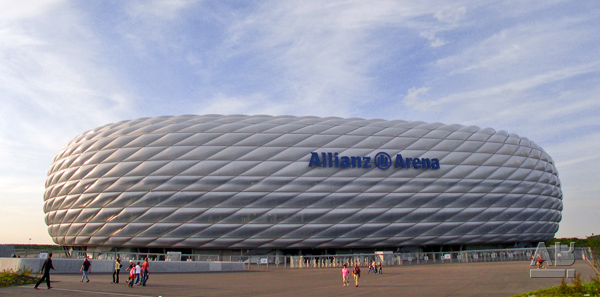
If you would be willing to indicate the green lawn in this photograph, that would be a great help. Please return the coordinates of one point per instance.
(576, 288)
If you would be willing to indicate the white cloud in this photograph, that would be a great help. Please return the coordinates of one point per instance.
(414, 98)
(522, 84)
(150, 11)
(578, 161)
(434, 41)
(326, 53)
(449, 18)
(451, 14)
(523, 48)
(12, 10)
(222, 104)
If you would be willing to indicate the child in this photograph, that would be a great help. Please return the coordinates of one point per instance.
(131, 267)
(131, 277)
(345, 273)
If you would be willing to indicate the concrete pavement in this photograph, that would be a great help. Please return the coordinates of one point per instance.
(475, 279)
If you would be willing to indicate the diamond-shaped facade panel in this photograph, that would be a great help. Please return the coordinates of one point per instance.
(239, 181)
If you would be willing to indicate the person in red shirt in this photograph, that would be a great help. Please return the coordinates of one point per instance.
(131, 277)
(131, 269)
(145, 271)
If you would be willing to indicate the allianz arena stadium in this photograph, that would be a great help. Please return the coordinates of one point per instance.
(292, 183)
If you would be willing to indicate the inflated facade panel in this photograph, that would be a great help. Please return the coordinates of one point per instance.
(229, 182)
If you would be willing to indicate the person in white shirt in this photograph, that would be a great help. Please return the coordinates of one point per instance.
(138, 271)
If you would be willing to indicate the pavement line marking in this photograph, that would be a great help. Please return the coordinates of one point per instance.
(95, 292)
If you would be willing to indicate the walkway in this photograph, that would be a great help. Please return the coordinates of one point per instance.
(476, 279)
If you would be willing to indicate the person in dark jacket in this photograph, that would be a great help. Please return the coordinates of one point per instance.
(86, 268)
(46, 268)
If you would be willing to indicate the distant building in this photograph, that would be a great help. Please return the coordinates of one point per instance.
(295, 183)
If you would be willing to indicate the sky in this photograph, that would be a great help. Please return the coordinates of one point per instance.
(531, 68)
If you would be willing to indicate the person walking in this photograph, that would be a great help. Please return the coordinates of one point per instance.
(85, 267)
(138, 271)
(131, 269)
(46, 268)
(145, 271)
(345, 273)
(131, 277)
(117, 270)
(356, 274)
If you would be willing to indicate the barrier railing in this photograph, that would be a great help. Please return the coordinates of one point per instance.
(321, 261)
(399, 259)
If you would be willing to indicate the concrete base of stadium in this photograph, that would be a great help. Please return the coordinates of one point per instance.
(107, 266)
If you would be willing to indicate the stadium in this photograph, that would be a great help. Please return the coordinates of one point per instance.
(298, 184)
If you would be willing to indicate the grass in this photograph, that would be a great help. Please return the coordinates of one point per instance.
(576, 288)
(10, 277)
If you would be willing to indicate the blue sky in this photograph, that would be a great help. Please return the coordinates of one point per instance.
(527, 67)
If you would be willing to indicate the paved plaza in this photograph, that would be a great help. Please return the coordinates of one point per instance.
(476, 279)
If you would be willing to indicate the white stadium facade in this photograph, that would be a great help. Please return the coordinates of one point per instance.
(286, 183)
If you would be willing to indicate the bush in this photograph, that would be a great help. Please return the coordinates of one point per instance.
(21, 276)
(577, 283)
(563, 288)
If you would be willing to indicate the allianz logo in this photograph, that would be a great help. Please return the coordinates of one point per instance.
(381, 160)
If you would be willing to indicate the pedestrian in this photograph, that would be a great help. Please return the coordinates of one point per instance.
(85, 267)
(138, 271)
(540, 262)
(46, 268)
(131, 277)
(356, 274)
(117, 270)
(130, 269)
(345, 273)
(380, 268)
(145, 271)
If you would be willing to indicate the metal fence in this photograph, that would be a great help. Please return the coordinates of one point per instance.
(400, 259)
(326, 261)
(78, 254)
